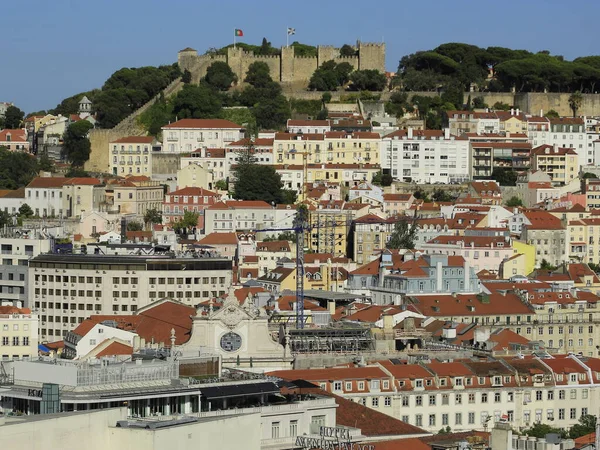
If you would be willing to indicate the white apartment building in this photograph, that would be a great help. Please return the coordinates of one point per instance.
(66, 289)
(18, 333)
(131, 155)
(425, 156)
(17, 250)
(187, 135)
(563, 132)
(232, 215)
(468, 394)
(308, 126)
(45, 196)
(461, 122)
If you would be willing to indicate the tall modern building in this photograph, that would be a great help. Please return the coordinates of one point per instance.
(66, 289)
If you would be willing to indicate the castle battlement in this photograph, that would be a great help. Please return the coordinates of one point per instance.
(285, 67)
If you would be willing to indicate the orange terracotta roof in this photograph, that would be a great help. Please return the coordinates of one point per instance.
(47, 182)
(219, 239)
(194, 191)
(113, 349)
(469, 305)
(134, 140)
(552, 151)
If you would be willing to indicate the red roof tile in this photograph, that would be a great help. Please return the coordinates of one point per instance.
(134, 140)
(203, 123)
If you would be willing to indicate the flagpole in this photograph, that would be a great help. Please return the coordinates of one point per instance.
(287, 42)
(234, 38)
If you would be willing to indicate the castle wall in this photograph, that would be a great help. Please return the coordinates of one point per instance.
(287, 67)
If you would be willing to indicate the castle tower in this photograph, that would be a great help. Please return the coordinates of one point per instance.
(85, 107)
(371, 56)
(287, 64)
(326, 53)
(235, 57)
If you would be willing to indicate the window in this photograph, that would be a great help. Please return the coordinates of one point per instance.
(405, 400)
(387, 401)
(432, 400)
(538, 395)
(274, 430)
(293, 428)
(337, 386)
(497, 397)
(573, 394)
(561, 395)
(444, 419)
(419, 400)
(561, 414)
(458, 399)
(431, 420)
(573, 413)
(471, 398)
(458, 419)
(484, 397)
(471, 418)
(419, 420)
(375, 402)
(445, 399)
(550, 395)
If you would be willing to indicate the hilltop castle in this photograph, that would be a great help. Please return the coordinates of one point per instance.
(286, 67)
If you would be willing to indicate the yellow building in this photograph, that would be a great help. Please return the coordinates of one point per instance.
(195, 175)
(332, 147)
(133, 195)
(513, 121)
(131, 155)
(584, 240)
(18, 333)
(331, 222)
(527, 262)
(561, 164)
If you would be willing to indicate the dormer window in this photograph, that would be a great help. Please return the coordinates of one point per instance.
(419, 383)
(481, 380)
(361, 385)
(458, 381)
(428, 382)
(573, 377)
(442, 382)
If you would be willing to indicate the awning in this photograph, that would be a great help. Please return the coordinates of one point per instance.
(43, 348)
(239, 390)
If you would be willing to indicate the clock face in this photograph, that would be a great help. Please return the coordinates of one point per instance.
(231, 342)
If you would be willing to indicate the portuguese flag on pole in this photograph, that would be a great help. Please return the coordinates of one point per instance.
(238, 32)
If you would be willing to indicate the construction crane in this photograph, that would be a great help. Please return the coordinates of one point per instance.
(300, 225)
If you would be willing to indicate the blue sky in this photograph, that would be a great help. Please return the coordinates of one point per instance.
(54, 49)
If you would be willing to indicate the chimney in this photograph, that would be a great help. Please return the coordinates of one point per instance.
(518, 111)
(446, 133)
(331, 307)
(410, 132)
(541, 113)
(512, 112)
(555, 148)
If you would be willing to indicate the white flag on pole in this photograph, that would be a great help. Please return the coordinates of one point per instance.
(291, 31)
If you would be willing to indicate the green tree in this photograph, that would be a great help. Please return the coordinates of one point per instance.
(13, 117)
(586, 425)
(589, 175)
(188, 221)
(446, 430)
(222, 185)
(322, 115)
(377, 178)
(157, 116)
(76, 172)
(5, 219)
(186, 77)
(325, 98)
(258, 182)
(272, 112)
(552, 114)
(347, 51)
(514, 202)
(134, 226)
(500, 106)
(17, 169)
(197, 102)
(504, 176)
(25, 211)
(420, 194)
(76, 143)
(287, 236)
(368, 80)
(575, 102)
(442, 195)
(45, 163)
(479, 103)
(220, 76)
(545, 265)
(403, 236)
(398, 104)
(540, 430)
(258, 74)
(387, 179)
(153, 216)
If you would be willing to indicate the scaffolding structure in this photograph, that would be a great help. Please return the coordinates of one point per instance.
(331, 340)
